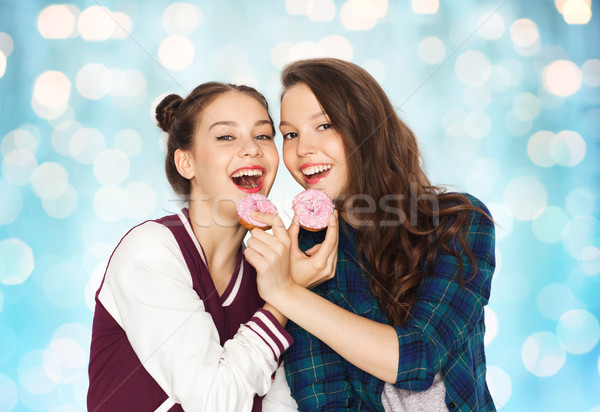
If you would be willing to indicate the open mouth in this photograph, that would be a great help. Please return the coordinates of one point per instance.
(314, 173)
(250, 179)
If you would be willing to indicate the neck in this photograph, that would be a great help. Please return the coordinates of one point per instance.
(219, 236)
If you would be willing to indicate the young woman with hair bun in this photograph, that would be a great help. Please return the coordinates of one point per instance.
(397, 323)
(179, 323)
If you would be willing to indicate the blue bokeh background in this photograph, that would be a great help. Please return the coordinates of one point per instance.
(503, 95)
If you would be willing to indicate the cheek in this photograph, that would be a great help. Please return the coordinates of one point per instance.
(288, 155)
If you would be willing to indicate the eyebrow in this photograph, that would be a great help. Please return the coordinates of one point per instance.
(235, 124)
(314, 116)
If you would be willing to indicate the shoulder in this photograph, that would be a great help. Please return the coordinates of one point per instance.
(146, 237)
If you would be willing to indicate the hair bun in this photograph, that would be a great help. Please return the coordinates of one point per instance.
(166, 110)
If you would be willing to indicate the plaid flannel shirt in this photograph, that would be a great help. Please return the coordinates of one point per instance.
(444, 332)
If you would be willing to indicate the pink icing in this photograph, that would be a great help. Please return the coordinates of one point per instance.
(313, 208)
(255, 202)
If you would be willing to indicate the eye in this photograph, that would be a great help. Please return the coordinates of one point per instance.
(324, 126)
(290, 135)
(225, 137)
(264, 137)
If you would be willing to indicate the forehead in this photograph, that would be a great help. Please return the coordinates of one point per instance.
(233, 106)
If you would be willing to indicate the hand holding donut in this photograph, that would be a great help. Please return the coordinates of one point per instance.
(317, 264)
(269, 254)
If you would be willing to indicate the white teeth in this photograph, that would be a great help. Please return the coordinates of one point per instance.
(311, 170)
(248, 172)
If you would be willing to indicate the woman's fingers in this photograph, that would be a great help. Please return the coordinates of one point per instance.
(274, 221)
(331, 238)
(293, 233)
(313, 250)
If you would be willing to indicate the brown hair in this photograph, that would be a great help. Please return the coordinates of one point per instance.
(385, 160)
(179, 118)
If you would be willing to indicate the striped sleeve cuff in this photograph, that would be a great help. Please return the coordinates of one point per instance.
(264, 324)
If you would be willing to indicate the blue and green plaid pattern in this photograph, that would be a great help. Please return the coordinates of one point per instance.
(443, 334)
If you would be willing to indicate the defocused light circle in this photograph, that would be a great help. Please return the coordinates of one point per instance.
(16, 261)
(86, 144)
(52, 89)
(38, 372)
(11, 204)
(356, 15)
(524, 32)
(280, 54)
(560, 4)
(62, 206)
(181, 18)
(18, 139)
(562, 78)
(305, 50)
(591, 72)
(548, 227)
(472, 68)
(432, 50)
(491, 26)
(543, 354)
(580, 201)
(337, 46)
(477, 124)
(6, 44)
(526, 197)
(477, 97)
(18, 167)
(454, 122)
(94, 81)
(8, 393)
(554, 300)
(298, 7)
(321, 11)
(2, 64)
(425, 6)
(50, 180)
(111, 203)
(577, 12)
(491, 325)
(580, 233)
(176, 52)
(567, 148)
(499, 384)
(578, 331)
(503, 218)
(142, 200)
(589, 123)
(72, 358)
(526, 106)
(96, 24)
(538, 148)
(56, 22)
(111, 167)
(62, 135)
(123, 25)
(129, 142)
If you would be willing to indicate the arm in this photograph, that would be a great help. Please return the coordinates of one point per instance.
(148, 290)
(279, 398)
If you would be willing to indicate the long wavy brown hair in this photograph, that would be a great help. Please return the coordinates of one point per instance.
(413, 221)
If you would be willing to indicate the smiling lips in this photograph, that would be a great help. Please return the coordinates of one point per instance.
(249, 179)
(315, 172)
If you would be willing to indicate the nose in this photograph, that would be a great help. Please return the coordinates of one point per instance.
(250, 148)
(306, 144)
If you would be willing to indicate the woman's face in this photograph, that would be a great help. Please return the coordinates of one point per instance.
(312, 151)
(234, 153)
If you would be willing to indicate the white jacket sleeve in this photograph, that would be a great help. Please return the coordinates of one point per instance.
(148, 291)
(279, 398)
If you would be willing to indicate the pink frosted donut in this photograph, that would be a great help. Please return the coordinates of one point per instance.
(251, 203)
(313, 208)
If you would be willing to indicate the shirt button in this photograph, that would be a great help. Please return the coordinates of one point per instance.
(452, 405)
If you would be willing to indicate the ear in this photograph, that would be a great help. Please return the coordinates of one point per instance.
(184, 164)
